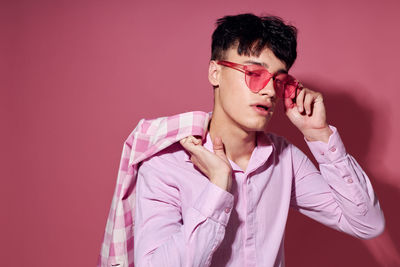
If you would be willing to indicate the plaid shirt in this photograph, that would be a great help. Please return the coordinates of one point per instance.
(149, 137)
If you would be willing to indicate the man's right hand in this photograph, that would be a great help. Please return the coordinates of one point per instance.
(215, 165)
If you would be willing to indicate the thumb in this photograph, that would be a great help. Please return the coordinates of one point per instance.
(218, 147)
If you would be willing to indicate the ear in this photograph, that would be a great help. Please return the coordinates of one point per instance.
(213, 73)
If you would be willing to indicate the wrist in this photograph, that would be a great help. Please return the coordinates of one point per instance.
(224, 181)
(321, 134)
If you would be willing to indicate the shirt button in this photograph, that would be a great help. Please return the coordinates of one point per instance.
(349, 180)
(333, 149)
(227, 210)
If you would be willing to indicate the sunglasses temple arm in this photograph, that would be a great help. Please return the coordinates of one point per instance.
(239, 69)
(235, 67)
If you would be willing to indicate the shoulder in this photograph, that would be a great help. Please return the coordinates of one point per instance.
(158, 176)
(166, 162)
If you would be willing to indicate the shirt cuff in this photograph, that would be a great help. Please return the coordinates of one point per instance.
(329, 152)
(215, 203)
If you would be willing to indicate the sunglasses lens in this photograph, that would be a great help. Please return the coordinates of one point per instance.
(285, 85)
(257, 77)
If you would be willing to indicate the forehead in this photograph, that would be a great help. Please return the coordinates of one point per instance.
(266, 58)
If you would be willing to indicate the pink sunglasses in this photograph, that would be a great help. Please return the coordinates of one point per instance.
(257, 77)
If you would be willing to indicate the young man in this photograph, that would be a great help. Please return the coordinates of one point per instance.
(225, 202)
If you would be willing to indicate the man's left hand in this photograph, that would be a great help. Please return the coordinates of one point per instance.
(308, 115)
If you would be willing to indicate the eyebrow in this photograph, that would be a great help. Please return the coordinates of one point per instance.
(257, 63)
(263, 64)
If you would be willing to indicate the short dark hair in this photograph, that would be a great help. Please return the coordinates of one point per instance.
(251, 34)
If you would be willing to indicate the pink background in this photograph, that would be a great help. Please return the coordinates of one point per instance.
(77, 76)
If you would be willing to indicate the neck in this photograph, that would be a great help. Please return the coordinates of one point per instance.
(239, 144)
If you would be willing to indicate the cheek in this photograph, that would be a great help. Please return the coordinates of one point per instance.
(235, 86)
(235, 95)
(233, 79)
(236, 100)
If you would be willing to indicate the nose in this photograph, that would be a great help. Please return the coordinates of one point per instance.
(269, 89)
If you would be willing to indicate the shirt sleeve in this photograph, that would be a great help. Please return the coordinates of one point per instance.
(340, 194)
(163, 236)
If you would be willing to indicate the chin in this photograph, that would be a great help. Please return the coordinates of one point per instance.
(257, 124)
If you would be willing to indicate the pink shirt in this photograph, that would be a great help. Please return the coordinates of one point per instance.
(182, 219)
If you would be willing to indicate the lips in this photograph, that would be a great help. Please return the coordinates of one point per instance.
(261, 106)
(261, 111)
(264, 105)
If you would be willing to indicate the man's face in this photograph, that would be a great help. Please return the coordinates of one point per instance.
(236, 100)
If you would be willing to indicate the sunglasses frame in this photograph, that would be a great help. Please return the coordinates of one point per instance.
(247, 72)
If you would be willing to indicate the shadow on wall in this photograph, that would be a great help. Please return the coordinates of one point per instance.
(309, 243)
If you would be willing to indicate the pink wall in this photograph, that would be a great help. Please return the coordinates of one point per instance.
(76, 77)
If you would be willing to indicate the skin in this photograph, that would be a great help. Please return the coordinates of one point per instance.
(234, 122)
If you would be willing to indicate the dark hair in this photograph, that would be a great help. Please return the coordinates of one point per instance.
(252, 34)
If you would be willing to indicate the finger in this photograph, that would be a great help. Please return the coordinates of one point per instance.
(288, 104)
(186, 140)
(218, 147)
(189, 142)
(298, 91)
(217, 144)
(196, 141)
(308, 101)
(182, 141)
(318, 105)
(300, 100)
